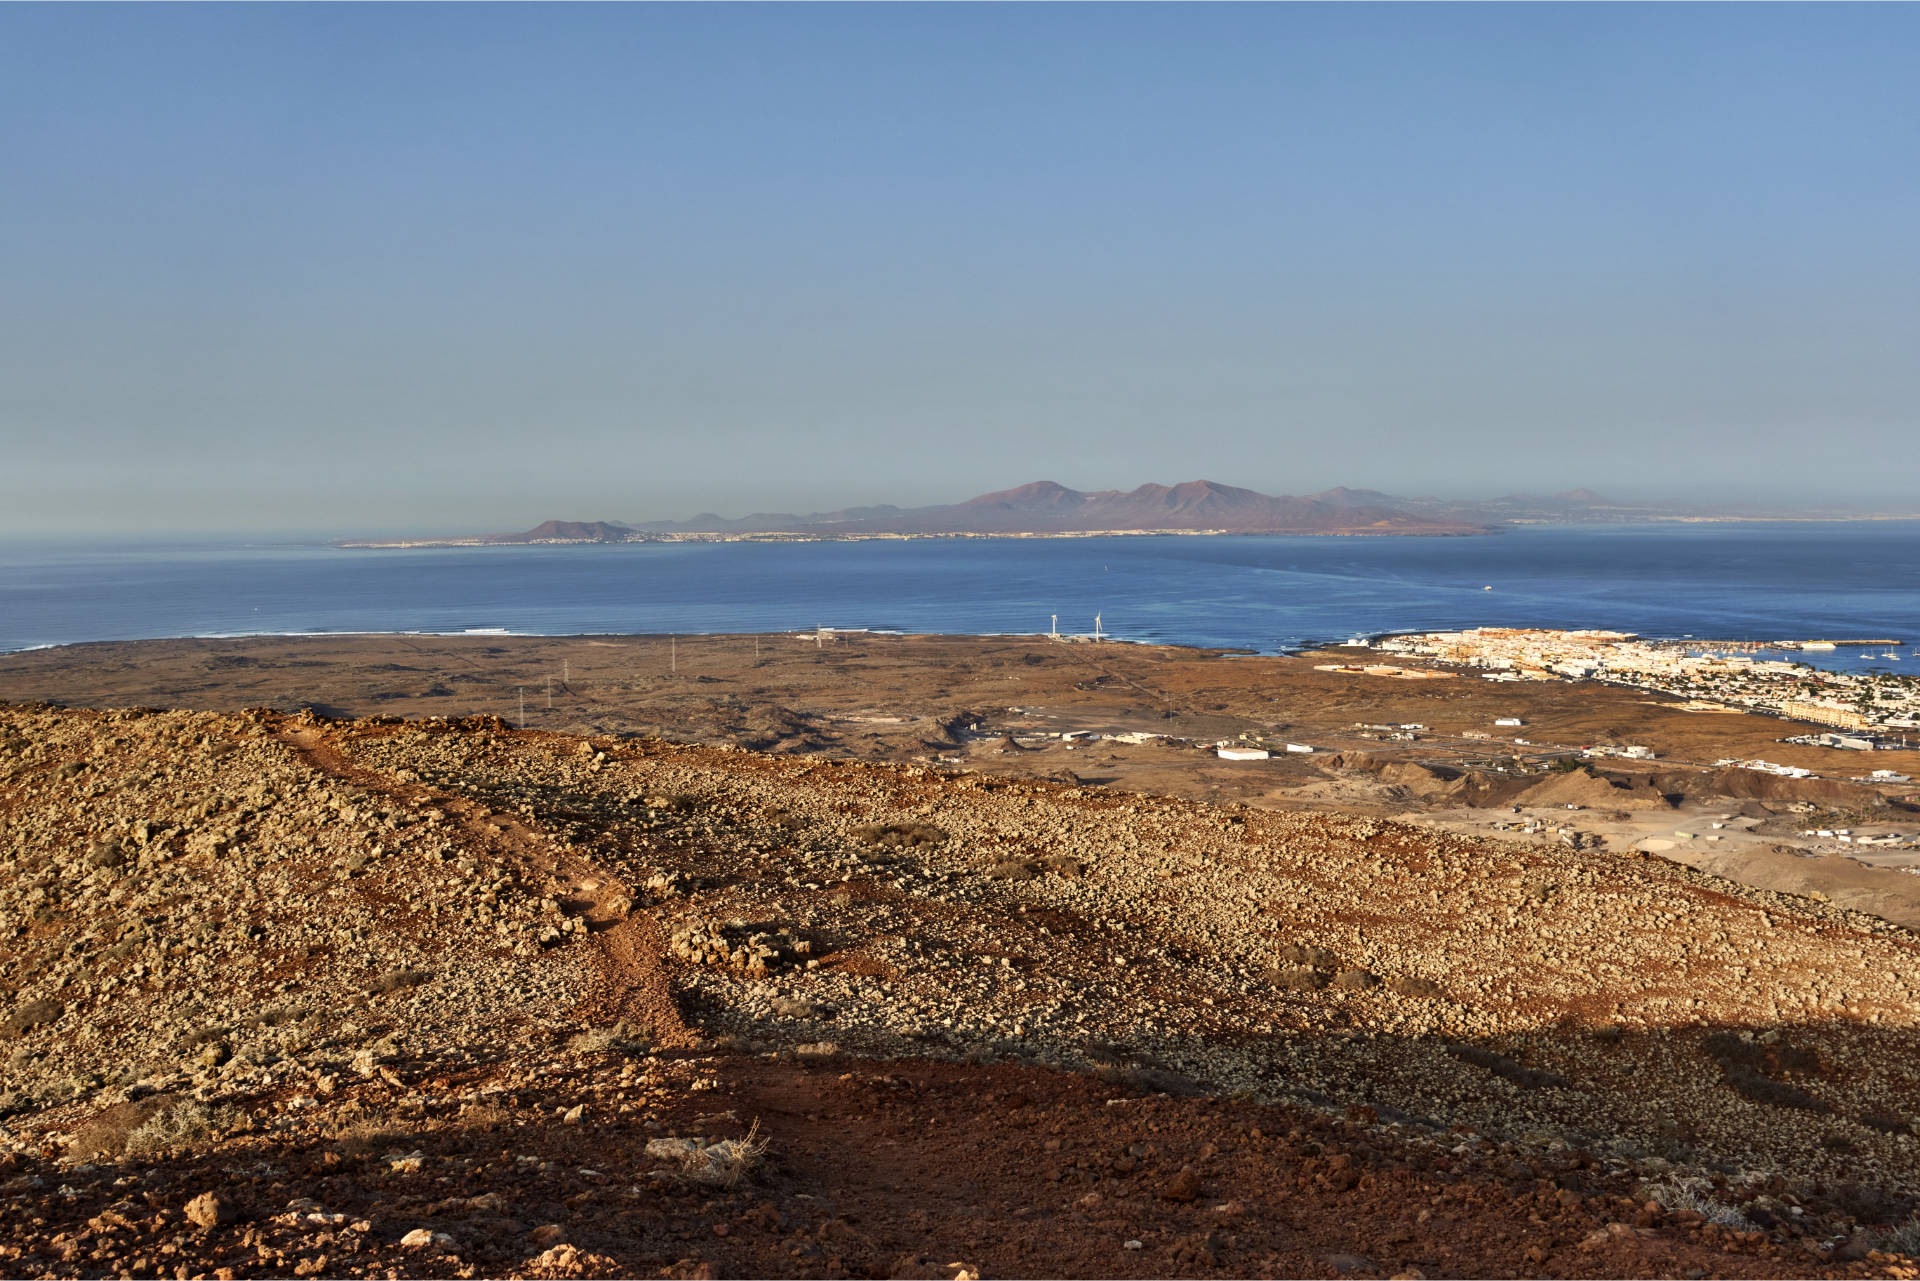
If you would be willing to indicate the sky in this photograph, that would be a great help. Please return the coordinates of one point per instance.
(394, 268)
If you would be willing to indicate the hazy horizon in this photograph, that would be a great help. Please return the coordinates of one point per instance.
(394, 269)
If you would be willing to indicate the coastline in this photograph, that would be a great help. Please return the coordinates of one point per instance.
(1296, 649)
(1745, 583)
(772, 536)
(1463, 530)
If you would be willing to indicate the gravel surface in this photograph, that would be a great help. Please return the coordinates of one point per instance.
(287, 995)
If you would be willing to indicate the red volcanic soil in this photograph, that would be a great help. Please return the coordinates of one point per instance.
(293, 996)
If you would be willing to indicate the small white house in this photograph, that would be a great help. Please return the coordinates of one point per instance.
(1303, 749)
(1242, 753)
(1508, 720)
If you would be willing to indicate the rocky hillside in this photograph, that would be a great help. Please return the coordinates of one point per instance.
(285, 995)
(569, 531)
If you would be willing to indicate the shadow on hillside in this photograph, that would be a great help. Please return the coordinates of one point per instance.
(874, 1164)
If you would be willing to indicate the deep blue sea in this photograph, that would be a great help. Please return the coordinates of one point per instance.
(1738, 581)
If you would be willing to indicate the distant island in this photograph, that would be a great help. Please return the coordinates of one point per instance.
(1045, 509)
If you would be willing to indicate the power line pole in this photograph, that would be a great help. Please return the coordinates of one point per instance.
(549, 693)
(523, 707)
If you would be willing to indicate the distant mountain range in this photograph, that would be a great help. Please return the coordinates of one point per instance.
(1045, 508)
(1048, 508)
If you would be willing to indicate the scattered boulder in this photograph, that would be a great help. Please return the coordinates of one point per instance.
(210, 1210)
(1183, 1187)
(427, 1240)
(755, 950)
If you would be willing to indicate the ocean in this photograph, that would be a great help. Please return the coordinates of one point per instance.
(1758, 581)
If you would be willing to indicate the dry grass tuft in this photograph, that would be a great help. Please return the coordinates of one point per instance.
(899, 835)
(1691, 1194)
(725, 1164)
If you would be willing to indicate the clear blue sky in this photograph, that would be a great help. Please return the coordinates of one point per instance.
(383, 267)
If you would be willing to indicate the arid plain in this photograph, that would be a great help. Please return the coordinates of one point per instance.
(1000, 705)
(828, 956)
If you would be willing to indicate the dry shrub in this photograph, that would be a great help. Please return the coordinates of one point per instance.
(1691, 1194)
(784, 819)
(621, 1038)
(106, 1133)
(186, 1124)
(1866, 1201)
(724, 1164)
(395, 980)
(1305, 954)
(31, 1015)
(1414, 985)
(1902, 1238)
(200, 1036)
(154, 1124)
(370, 1136)
(1152, 1080)
(484, 1116)
(898, 835)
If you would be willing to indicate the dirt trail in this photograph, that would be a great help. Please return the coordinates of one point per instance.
(632, 982)
(291, 997)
